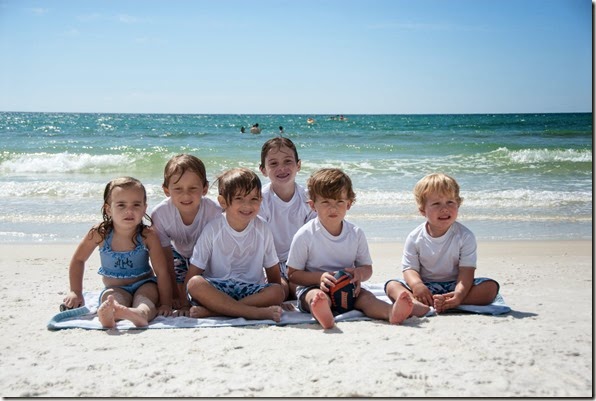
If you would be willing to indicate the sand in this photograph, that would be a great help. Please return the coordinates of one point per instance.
(543, 348)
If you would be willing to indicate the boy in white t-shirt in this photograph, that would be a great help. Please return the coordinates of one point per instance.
(226, 276)
(285, 203)
(328, 244)
(180, 218)
(439, 259)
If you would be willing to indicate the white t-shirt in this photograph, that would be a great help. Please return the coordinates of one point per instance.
(225, 253)
(285, 218)
(315, 249)
(439, 259)
(172, 230)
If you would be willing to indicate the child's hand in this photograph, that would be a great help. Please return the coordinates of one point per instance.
(356, 278)
(74, 300)
(327, 281)
(422, 294)
(446, 301)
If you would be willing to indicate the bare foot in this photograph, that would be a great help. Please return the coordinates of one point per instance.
(199, 312)
(439, 302)
(319, 307)
(401, 309)
(419, 309)
(272, 313)
(105, 313)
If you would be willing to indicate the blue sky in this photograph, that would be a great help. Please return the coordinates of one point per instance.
(296, 56)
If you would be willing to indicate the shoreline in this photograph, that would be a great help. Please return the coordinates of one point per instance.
(543, 348)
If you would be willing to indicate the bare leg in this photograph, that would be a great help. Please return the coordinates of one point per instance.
(395, 288)
(272, 295)
(110, 299)
(319, 305)
(144, 305)
(373, 307)
(220, 303)
(482, 294)
(141, 312)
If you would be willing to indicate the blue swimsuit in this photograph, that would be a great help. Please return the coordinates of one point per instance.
(129, 264)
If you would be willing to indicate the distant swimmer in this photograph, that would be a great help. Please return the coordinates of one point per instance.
(255, 129)
(281, 130)
(242, 129)
(310, 120)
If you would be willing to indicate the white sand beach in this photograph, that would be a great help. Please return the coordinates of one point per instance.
(543, 348)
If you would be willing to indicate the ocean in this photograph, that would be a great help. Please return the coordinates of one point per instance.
(522, 176)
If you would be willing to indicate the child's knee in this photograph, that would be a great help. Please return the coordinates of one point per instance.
(393, 288)
(492, 287)
(194, 285)
(121, 296)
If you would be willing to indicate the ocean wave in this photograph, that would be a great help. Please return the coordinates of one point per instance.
(63, 163)
(495, 199)
(73, 190)
(528, 156)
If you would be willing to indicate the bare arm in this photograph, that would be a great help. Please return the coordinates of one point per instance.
(302, 277)
(167, 250)
(159, 264)
(419, 290)
(360, 273)
(76, 269)
(273, 274)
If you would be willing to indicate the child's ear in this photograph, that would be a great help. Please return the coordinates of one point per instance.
(166, 191)
(222, 201)
(205, 188)
(263, 170)
(311, 204)
(422, 211)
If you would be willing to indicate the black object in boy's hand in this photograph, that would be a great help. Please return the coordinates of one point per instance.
(342, 294)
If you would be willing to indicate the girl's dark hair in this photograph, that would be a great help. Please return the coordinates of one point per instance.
(107, 225)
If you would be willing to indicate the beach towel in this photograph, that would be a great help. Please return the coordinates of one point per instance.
(86, 316)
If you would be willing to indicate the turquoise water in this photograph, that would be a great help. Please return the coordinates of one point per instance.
(523, 176)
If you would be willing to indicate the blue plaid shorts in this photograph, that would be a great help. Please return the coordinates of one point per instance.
(235, 289)
(180, 266)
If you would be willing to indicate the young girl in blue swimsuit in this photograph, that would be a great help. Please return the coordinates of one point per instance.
(132, 290)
